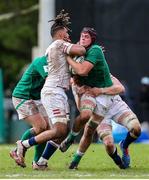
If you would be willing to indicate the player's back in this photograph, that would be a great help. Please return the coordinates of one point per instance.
(32, 80)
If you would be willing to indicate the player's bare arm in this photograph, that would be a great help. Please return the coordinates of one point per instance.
(77, 50)
(116, 88)
(81, 69)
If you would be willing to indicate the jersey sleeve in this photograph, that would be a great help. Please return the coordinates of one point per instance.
(94, 55)
(66, 47)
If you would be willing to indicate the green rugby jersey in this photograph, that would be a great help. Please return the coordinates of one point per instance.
(99, 76)
(32, 81)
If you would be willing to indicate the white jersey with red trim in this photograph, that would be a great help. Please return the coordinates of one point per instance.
(58, 69)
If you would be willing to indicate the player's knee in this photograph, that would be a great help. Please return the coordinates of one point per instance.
(39, 129)
(85, 115)
(133, 125)
(59, 132)
(59, 128)
(106, 137)
(136, 130)
(108, 142)
(48, 124)
(109, 145)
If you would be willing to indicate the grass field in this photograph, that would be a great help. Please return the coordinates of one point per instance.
(95, 164)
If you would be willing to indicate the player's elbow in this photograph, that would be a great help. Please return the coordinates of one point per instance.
(122, 89)
(119, 89)
(80, 51)
(77, 50)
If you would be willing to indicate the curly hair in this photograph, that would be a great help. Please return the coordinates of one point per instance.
(60, 22)
(92, 32)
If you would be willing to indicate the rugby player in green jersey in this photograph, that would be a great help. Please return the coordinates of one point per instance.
(26, 100)
(104, 129)
(94, 72)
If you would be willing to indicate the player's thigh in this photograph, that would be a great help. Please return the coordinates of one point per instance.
(37, 121)
(61, 129)
(87, 103)
(43, 113)
(118, 111)
(87, 106)
(104, 129)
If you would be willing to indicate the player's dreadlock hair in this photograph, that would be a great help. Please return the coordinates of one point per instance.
(60, 22)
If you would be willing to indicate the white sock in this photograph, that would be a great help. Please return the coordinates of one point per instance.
(26, 143)
(54, 144)
(74, 133)
(42, 161)
(80, 153)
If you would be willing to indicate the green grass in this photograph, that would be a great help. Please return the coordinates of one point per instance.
(95, 164)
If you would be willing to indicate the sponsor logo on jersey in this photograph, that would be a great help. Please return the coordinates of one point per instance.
(45, 68)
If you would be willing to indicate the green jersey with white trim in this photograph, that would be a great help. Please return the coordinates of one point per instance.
(99, 76)
(32, 81)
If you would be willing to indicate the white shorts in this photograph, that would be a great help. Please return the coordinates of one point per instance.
(106, 121)
(41, 108)
(111, 107)
(55, 102)
(108, 106)
(27, 108)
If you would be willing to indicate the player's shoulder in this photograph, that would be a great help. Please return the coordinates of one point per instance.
(61, 42)
(58, 42)
(96, 47)
(40, 60)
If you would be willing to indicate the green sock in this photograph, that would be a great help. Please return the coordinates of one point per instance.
(72, 135)
(77, 158)
(38, 151)
(28, 134)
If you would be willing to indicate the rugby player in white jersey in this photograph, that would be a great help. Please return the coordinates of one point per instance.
(53, 95)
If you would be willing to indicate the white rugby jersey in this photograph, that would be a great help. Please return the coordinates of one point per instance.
(58, 68)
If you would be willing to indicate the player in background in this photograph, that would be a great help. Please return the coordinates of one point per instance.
(26, 100)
